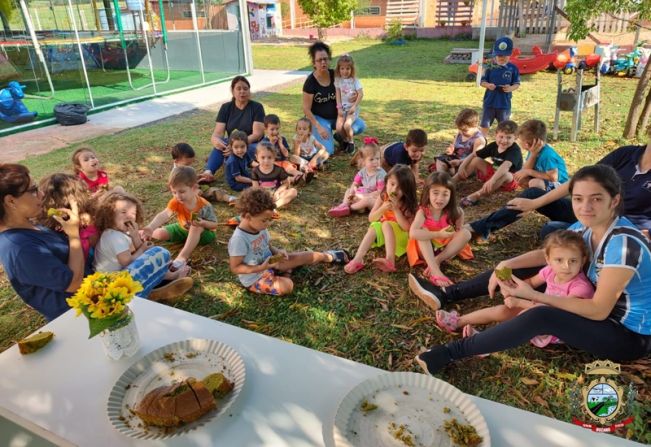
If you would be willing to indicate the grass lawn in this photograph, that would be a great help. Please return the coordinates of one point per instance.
(368, 318)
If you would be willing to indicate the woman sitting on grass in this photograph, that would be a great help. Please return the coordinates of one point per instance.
(615, 324)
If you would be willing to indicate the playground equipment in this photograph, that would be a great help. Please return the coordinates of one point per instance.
(576, 100)
(12, 109)
(526, 64)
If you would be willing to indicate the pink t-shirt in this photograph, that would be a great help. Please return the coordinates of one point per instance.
(579, 286)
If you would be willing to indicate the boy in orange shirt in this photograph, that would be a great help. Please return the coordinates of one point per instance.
(195, 215)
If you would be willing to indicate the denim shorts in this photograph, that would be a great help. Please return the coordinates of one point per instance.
(490, 114)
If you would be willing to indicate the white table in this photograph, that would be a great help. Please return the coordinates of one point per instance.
(290, 394)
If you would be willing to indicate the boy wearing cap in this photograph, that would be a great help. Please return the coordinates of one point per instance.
(499, 79)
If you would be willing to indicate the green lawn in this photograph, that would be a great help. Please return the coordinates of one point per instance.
(368, 317)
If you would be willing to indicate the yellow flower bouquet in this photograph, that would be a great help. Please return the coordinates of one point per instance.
(103, 299)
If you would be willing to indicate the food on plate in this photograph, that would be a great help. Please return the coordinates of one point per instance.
(463, 435)
(367, 407)
(504, 274)
(34, 342)
(179, 403)
(402, 434)
(446, 410)
(218, 385)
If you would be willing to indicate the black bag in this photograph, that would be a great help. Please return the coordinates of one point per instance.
(69, 114)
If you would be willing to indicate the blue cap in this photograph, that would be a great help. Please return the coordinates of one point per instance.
(503, 47)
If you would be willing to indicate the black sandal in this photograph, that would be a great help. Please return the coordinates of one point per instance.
(339, 257)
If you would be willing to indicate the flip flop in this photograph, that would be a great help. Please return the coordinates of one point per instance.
(440, 281)
(448, 321)
(353, 267)
(339, 257)
(384, 265)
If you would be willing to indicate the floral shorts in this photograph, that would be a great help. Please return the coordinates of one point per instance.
(265, 285)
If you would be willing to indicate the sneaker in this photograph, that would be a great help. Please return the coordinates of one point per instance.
(339, 140)
(172, 291)
(350, 148)
(339, 257)
(428, 293)
(448, 321)
(341, 210)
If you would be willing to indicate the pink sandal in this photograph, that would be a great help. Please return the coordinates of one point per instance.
(448, 321)
(440, 281)
(384, 265)
(353, 267)
(341, 210)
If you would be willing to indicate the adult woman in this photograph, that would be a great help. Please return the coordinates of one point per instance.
(240, 113)
(43, 266)
(615, 323)
(319, 98)
(633, 165)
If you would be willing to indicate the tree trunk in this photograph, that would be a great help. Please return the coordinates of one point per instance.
(646, 115)
(321, 32)
(635, 111)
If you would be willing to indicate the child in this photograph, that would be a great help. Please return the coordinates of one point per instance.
(280, 147)
(437, 231)
(251, 253)
(183, 155)
(121, 248)
(86, 166)
(196, 217)
(469, 139)
(367, 184)
(58, 190)
(408, 153)
(309, 154)
(272, 177)
(499, 80)
(565, 254)
(237, 164)
(390, 219)
(507, 160)
(346, 85)
(544, 168)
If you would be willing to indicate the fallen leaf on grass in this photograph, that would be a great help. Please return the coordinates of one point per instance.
(528, 381)
(540, 401)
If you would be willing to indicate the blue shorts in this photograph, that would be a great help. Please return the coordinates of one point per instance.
(490, 114)
(551, 185)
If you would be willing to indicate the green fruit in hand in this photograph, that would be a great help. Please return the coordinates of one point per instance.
(194, 217)
(276, 258)
(505, 274)
(54, 212)
(35, 342)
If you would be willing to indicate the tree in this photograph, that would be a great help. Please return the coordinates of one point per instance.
(580, 13)
(6, 11)
(326, 13)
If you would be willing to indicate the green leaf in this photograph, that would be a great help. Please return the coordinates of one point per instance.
(97, 325)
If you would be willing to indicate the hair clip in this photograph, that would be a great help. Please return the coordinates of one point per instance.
(371, 140)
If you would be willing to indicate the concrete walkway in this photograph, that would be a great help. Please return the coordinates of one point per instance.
(17, 147)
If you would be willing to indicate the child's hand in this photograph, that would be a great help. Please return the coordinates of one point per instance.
(450, 150)
(507, 88)
(521, 175)
(536, 146)
(516, 288)
(199, 222)
(69, 219)
(512, 302)
(490, 86)
(146, 233)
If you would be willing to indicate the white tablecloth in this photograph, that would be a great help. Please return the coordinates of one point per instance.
(291, 393)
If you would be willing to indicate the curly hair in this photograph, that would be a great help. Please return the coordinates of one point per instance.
(255, 201)
(105, 213)
(316, 47)
(76, 164)
(467, 117)
(14, 181)
(58, 190)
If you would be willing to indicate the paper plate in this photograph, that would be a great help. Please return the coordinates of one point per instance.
(173, 363)
(418, 403)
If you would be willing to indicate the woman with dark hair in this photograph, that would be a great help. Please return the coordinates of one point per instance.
(241, 113)
(614, 324)
(44, 267)
(320, 99)
(633, 165)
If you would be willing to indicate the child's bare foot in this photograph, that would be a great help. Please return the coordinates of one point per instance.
(384, 265)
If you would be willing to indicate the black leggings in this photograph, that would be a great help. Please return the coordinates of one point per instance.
(478, 285)
(604, 339)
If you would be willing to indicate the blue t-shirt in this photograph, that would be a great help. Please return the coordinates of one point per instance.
(624, 246)
(636, 185)
(234, 167)
(396, 154)
(36, 263)
(500, 75)
(549, 159)
(279, 154)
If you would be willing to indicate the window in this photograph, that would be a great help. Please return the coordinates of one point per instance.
(368, 11)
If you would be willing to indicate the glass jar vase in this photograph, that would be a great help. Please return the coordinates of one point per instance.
(121, 340)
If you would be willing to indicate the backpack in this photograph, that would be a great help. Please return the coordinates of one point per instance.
(69, 114)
